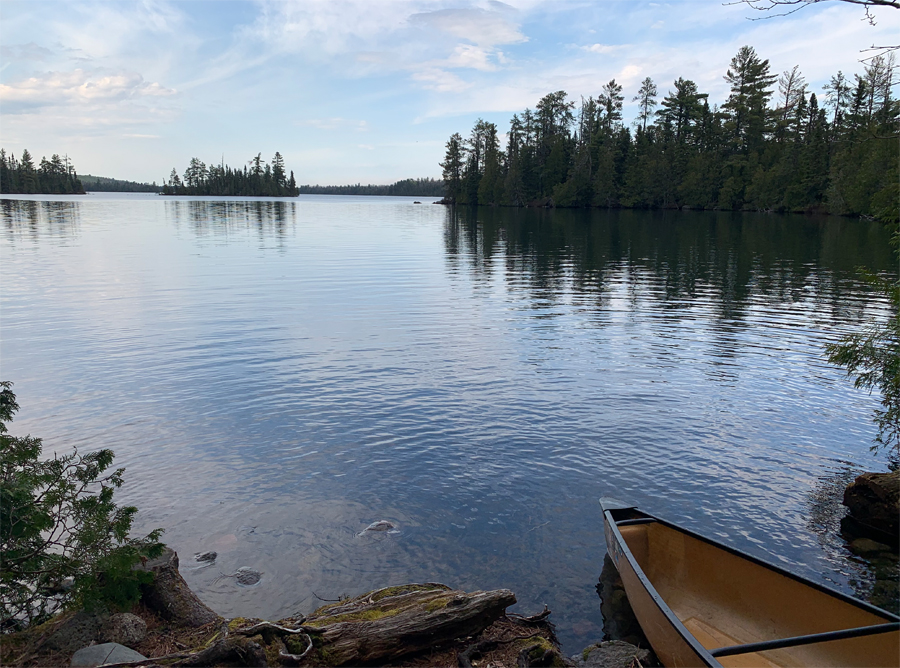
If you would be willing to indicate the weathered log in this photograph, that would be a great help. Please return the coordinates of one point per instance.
(388, 623)
(170, 596)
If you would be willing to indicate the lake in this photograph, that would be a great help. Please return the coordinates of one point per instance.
(275, 375)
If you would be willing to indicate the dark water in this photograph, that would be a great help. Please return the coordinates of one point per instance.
(275, 375)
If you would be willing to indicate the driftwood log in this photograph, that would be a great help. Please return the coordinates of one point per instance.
(389, 623)
(170, 596)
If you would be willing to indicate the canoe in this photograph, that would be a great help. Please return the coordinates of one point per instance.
(701, 603)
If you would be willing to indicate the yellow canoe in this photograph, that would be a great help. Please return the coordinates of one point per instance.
(701, 603)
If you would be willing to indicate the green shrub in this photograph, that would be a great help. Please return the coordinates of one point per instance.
(872, 356)
(63, 540)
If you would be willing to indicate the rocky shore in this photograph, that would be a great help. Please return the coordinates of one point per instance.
(423, 624)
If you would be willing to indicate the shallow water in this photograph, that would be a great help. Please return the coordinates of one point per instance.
(277, 375)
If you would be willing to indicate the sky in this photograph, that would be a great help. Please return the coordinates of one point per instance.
(362, 90)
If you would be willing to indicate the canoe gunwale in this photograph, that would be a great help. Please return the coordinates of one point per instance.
(704, 654)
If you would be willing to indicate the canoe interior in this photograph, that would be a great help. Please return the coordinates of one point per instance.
(725, 599)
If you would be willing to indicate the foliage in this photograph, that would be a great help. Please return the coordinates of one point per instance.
(63, 540)
(54, 176)
(105, 184)
(404, 188)
(756, 151)
(256, 179)
(873, 357)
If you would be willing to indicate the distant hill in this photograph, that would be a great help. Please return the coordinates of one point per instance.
(404, 188)
(106, 184)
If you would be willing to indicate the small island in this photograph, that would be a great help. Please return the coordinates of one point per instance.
(256, 179)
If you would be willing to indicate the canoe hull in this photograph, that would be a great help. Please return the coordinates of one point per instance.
(693, 596)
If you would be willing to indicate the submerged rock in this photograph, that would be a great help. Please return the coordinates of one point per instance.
(247, 576)
(380, 525)
(206, 557)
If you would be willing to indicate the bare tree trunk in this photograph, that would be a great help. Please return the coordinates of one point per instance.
(170, 596)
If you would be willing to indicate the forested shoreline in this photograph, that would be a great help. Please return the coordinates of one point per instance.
(767, 147)
(256, 179)
(51, 177)
(426, 187)
(110, 185)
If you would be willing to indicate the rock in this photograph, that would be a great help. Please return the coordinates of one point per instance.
(124, 629)
(380, 525)
(247, 576)
(99, 655)
(611, 654)
(874, 503)
(864, 546)
(169, 594)
(206, 557)
(79, 630)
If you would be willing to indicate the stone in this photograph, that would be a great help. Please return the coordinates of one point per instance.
(611, 654)
(123, 628)
(246, 576)
(206, 557)
(864, 546)
(874, 502)
(75, 632)
(380, 525)
(99, 655)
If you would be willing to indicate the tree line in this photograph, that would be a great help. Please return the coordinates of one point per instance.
(256, 179)
(54, 176)
(772, 145)
(426, 187)
(106, 184)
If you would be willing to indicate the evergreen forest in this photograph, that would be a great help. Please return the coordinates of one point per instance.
(404, 188)
(108, 185)
(256, 179)
(51, 177)
(772, 145)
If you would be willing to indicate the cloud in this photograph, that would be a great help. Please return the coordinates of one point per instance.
(30, 51)
(334, 124)
(603, 48)
(478, 26)
(78, 86)
(440, 80)
(368, 147)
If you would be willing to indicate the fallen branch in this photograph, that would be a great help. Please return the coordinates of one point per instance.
(262, 626)
(296, 658)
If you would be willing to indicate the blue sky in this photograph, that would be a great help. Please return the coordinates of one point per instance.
(361, 90)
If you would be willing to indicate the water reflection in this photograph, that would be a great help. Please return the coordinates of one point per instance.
(727, 259)
(32, 219)
(220, 218)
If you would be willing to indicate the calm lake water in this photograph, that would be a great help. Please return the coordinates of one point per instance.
(275, 375)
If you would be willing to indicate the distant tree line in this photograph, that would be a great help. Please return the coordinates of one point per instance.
(405, 188)
(54, 176)
(768, 147)
(256, 179)
(105, 184)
